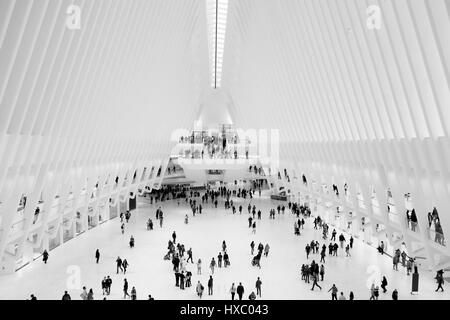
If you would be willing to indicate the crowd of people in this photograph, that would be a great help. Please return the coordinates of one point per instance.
(183, 262)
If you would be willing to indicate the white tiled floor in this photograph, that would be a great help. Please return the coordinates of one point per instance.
(280, 273)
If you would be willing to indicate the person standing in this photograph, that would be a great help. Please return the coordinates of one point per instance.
(372, 292)
(182, 277)
(90, 295)
(254, 227)
(240, 290)
(395, 294)
(322, 272)
(232, 291)
(334, 290)
(212, 265)
(66, 296)
(351, 296)
(199, 266)
(252, 247)
(177, 277)
(376, 292)
(104, 286)
(108, 285)
(266, 249)
(219, 260)
(132, 242)
(133, 294)
(97, 255)
(258, 287)
(174, 237)
(84, 294)
(210, 286)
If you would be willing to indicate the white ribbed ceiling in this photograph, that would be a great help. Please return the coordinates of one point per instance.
(355, 98)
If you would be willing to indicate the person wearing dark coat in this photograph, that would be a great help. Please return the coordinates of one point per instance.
(210, 285)
(395, 295)
(240, 290)
(97, 255)
(45, 256)
(384, 284)
(66, 296)
(119, 264)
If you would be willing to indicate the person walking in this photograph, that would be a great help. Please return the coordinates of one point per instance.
(308, 250)
(232, 291)
(119, 264)
(240, 290)
(266, 249)
(97, 255)
(125, 265)
(199, 289)
(45, 256)
(323, 254)
(132, 242)
(258, 287)
(334, 290)
(440, 280)
(384, 284)
(189, 252)
(314, 277)
(125, 289)
(210, 286)
(252, 247)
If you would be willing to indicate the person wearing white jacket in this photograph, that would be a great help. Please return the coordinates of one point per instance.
(233, 291)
